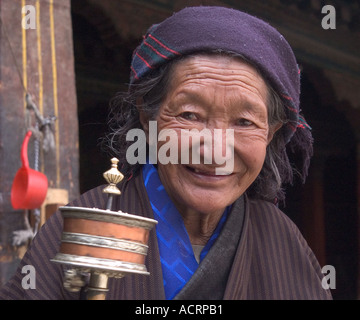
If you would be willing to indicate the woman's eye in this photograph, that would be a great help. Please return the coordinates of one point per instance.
(244, 123)
(188, 116)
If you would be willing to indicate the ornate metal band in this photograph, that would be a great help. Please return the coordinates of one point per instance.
(112, 268)
(108, 216)
(104, 242)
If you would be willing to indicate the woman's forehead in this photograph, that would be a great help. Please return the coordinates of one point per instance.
(203, 71)
(214, 62)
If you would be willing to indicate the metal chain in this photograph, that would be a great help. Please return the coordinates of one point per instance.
(36, 211)
(36, 149)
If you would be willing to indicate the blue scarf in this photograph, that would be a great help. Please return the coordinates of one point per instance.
(176, 254)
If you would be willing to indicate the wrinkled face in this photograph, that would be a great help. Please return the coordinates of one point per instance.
(214, 92)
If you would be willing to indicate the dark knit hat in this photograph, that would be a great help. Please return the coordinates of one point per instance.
(202, 28)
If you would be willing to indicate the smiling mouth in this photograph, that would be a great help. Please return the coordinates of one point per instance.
(210, 173)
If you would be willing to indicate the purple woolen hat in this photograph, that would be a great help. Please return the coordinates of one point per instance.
(202, 28)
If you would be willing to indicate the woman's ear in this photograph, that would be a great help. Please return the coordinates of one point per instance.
(272, 131)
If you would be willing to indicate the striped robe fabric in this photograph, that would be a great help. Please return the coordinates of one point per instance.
(272, 261)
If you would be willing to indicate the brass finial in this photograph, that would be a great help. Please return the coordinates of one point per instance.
(113, 177)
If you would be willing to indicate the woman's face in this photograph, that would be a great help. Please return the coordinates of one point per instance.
(213, 92)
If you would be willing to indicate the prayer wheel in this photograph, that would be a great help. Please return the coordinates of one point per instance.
(103, 242)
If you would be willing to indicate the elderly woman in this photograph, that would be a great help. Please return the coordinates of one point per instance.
(220, 234)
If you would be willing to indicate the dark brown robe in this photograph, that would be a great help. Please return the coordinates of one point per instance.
(272, 259)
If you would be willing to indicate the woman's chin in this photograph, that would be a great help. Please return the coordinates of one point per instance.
(205, 202)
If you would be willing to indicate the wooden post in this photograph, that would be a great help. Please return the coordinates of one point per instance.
(54, 199)
(36, 57)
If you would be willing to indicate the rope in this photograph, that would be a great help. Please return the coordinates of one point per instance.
(13, 55)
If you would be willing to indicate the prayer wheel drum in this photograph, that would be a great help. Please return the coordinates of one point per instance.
(104, 243)
(103, 240)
